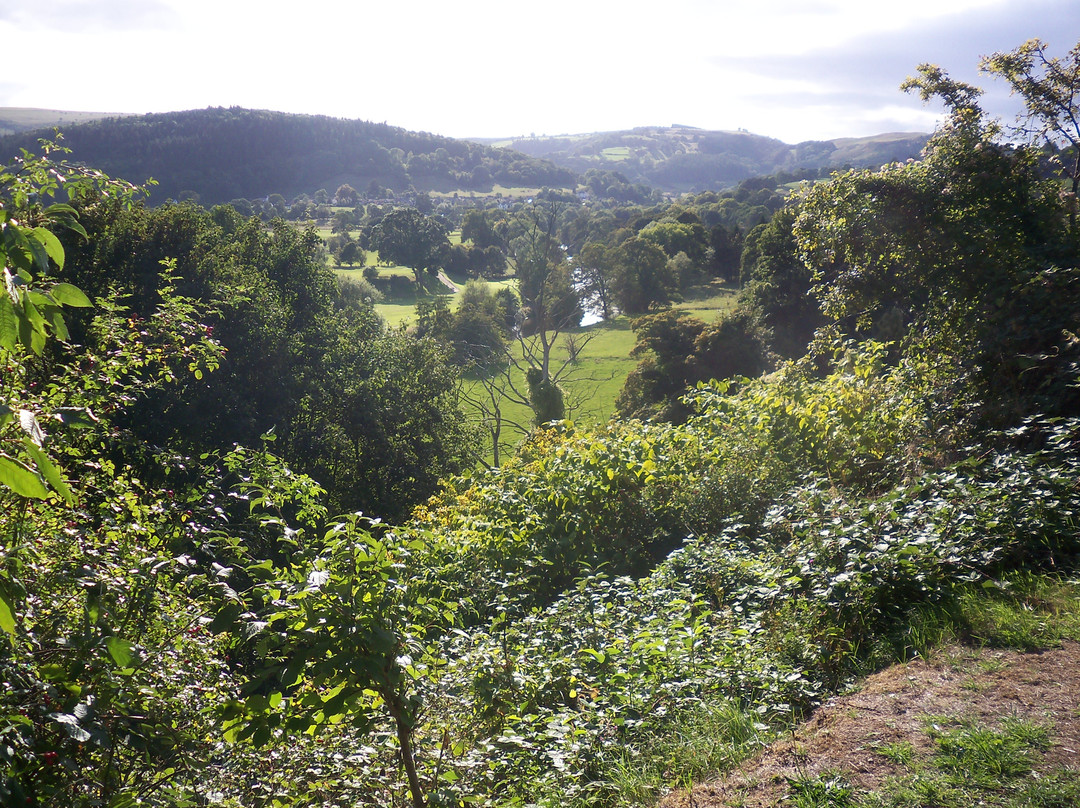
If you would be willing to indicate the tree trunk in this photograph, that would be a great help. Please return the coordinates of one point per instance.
(404, 733)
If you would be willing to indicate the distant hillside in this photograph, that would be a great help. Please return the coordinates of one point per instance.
(28, 119)
(223, 154)
(682, 158)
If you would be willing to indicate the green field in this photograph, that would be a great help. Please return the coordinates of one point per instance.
(592, 383)
(706, 302)
(497, 192)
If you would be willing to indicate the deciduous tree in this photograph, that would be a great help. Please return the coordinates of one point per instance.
(407, 237)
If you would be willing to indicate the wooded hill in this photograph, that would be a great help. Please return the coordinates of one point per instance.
(683, 158)
(223, 154)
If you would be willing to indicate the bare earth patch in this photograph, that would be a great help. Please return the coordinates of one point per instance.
(893, 707)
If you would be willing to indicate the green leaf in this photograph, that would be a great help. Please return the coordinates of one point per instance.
(53, 247)
(71, 726)
(225, 620)
(64, 215)
(36, 242)
(7, 613)
(122, 651)
(9, 324)
(21, 480)
(56, 318)
(52, 672)
(49, 471)
(70, 295)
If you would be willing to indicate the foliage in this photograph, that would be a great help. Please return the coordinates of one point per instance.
(773, 614)
(642, 278)
(407, 237)
(32, 302)
(336, 637)
(1049, 87)
(937, 252)
(189, 625)
(343, 393)
(679, 351)
(110, 677)
(859, 425)
(776, 286)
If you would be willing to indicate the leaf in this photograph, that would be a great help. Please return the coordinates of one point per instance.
(37, 240)
(49, 471)
(21, 480)
(599, 656)
(7, 613)
(53, 247)
(121, 651)
(225, 620)
(64, 215)
(29, 423)
(55, 316)
(71, 725)
(9, 324)
(76, 417)
(70, 295)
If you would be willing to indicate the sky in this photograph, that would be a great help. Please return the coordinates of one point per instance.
(789, 69)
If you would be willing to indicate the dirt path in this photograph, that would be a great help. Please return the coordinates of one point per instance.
(892, 707)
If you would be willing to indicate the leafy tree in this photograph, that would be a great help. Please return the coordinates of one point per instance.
(594, 271)
(677, 351)
(479, 330)
(409, 238)
(550, 304)
(675, 237)
(350, 253)
(941, 250)
(279, 312)
(776, 286)
(642, 276)
(727, 246)
(277, 203)
(346, 195)
(342, 222)
(479, 227)
(1049, 86)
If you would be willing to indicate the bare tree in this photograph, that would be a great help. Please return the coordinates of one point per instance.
(494, 388)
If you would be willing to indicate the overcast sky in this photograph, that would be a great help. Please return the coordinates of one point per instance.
(791, 69)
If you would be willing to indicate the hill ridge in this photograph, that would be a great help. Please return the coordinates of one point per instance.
(221, 153)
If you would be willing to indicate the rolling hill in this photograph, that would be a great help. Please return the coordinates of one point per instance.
(683, 158)
(218, 154)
